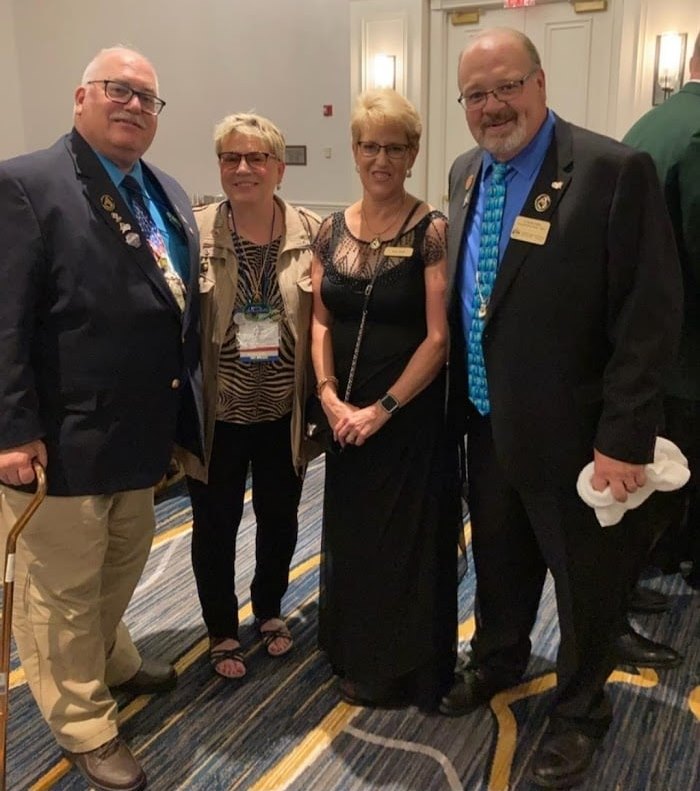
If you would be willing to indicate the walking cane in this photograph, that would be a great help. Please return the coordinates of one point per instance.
(7, 594)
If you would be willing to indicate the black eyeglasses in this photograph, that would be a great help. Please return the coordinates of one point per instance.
(254, 159)
(504, 93)
(393, 150)
(121, 93)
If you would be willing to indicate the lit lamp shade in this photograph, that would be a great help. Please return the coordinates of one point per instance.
(668, 65)
(384, 71)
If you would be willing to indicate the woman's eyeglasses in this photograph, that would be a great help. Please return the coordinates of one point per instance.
(254, 159)
(393, 150)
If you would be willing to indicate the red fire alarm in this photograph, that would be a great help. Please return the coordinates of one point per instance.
(327, 110)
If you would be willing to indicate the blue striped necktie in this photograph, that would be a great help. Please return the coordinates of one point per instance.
(486, 269)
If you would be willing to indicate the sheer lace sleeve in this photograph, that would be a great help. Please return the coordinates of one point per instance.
(435, 239)
(322, 243)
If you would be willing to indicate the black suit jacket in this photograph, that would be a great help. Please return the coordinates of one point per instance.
(96, 358)
(580, 330)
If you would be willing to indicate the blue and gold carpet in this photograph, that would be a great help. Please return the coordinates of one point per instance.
(285, 729)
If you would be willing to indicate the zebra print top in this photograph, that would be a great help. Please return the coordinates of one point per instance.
(259, 391)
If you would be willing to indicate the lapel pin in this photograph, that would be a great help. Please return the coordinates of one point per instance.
(468, 184)
(108, 203)
(557, 185)
(133, 239)
(542, 202)
(124, 227)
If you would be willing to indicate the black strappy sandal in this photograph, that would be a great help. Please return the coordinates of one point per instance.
(268, 636)
(218, 655)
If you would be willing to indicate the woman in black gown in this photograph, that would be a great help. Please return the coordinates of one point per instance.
(392, 510)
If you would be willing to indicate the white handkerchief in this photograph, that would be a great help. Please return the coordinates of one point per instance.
(668, 471)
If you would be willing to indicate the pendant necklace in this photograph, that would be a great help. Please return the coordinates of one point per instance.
(376, 241)
(256, 278)
(483, 302)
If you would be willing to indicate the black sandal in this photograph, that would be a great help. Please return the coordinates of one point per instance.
(268, 636)
(218, 655)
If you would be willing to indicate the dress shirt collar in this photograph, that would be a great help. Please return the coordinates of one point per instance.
(118, 175)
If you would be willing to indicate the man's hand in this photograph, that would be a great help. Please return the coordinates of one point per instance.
(16, 463)
(622, 478)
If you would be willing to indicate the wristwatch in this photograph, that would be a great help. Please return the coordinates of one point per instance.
(388, 403)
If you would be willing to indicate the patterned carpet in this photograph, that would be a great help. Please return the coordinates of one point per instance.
(284, 728)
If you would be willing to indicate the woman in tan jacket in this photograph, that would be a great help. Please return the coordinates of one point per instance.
(256, 302)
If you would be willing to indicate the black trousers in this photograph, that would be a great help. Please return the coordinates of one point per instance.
(516, 536)
(217, 507)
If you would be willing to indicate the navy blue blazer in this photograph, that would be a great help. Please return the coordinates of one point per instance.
(96, 358)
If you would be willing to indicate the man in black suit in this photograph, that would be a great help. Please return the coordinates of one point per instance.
(565, 311)
(99, 355)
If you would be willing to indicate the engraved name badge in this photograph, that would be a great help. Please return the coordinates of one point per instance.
(398, 252)
(528, 229)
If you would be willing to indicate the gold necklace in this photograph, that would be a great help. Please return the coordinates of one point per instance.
(376, 241)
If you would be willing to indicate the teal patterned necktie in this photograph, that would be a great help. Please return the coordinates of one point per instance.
(486, 268)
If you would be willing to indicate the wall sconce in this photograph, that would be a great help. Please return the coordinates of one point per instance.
(384, 71)
(669, 64)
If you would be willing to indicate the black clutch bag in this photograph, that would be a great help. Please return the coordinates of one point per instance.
(318, 428)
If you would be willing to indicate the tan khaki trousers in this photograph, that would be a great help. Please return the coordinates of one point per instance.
(78, 562)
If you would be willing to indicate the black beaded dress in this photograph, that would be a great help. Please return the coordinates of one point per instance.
(392, 509)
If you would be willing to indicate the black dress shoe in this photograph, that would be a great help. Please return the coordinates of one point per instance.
(647, 600)
(111, 767)
(471, 688)
(632, 648)
(562, 759)
(151, 678)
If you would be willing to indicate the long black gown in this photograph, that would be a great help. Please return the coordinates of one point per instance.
(392, 509)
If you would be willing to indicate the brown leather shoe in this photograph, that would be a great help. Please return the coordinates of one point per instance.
(110, 767)
(151, 678)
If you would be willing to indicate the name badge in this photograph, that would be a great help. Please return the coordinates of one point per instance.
(398, 252)
(528, 229)
(258, 337)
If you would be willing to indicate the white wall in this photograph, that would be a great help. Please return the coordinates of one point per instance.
(283, 58)
(12, 136)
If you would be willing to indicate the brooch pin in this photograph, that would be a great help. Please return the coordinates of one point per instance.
(108, 203)
(468, 184)
(133, 239)
(542, 202)
(557, 185)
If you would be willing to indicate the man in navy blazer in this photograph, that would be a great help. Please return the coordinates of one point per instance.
(99, 354)
(576, 334)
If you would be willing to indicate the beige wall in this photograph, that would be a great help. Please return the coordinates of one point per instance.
(12, 140)
(284, 59)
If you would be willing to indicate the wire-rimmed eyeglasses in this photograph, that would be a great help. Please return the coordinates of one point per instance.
(504, 92)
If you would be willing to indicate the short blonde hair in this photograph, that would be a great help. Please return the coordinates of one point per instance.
(384, 105)
(253, 125)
